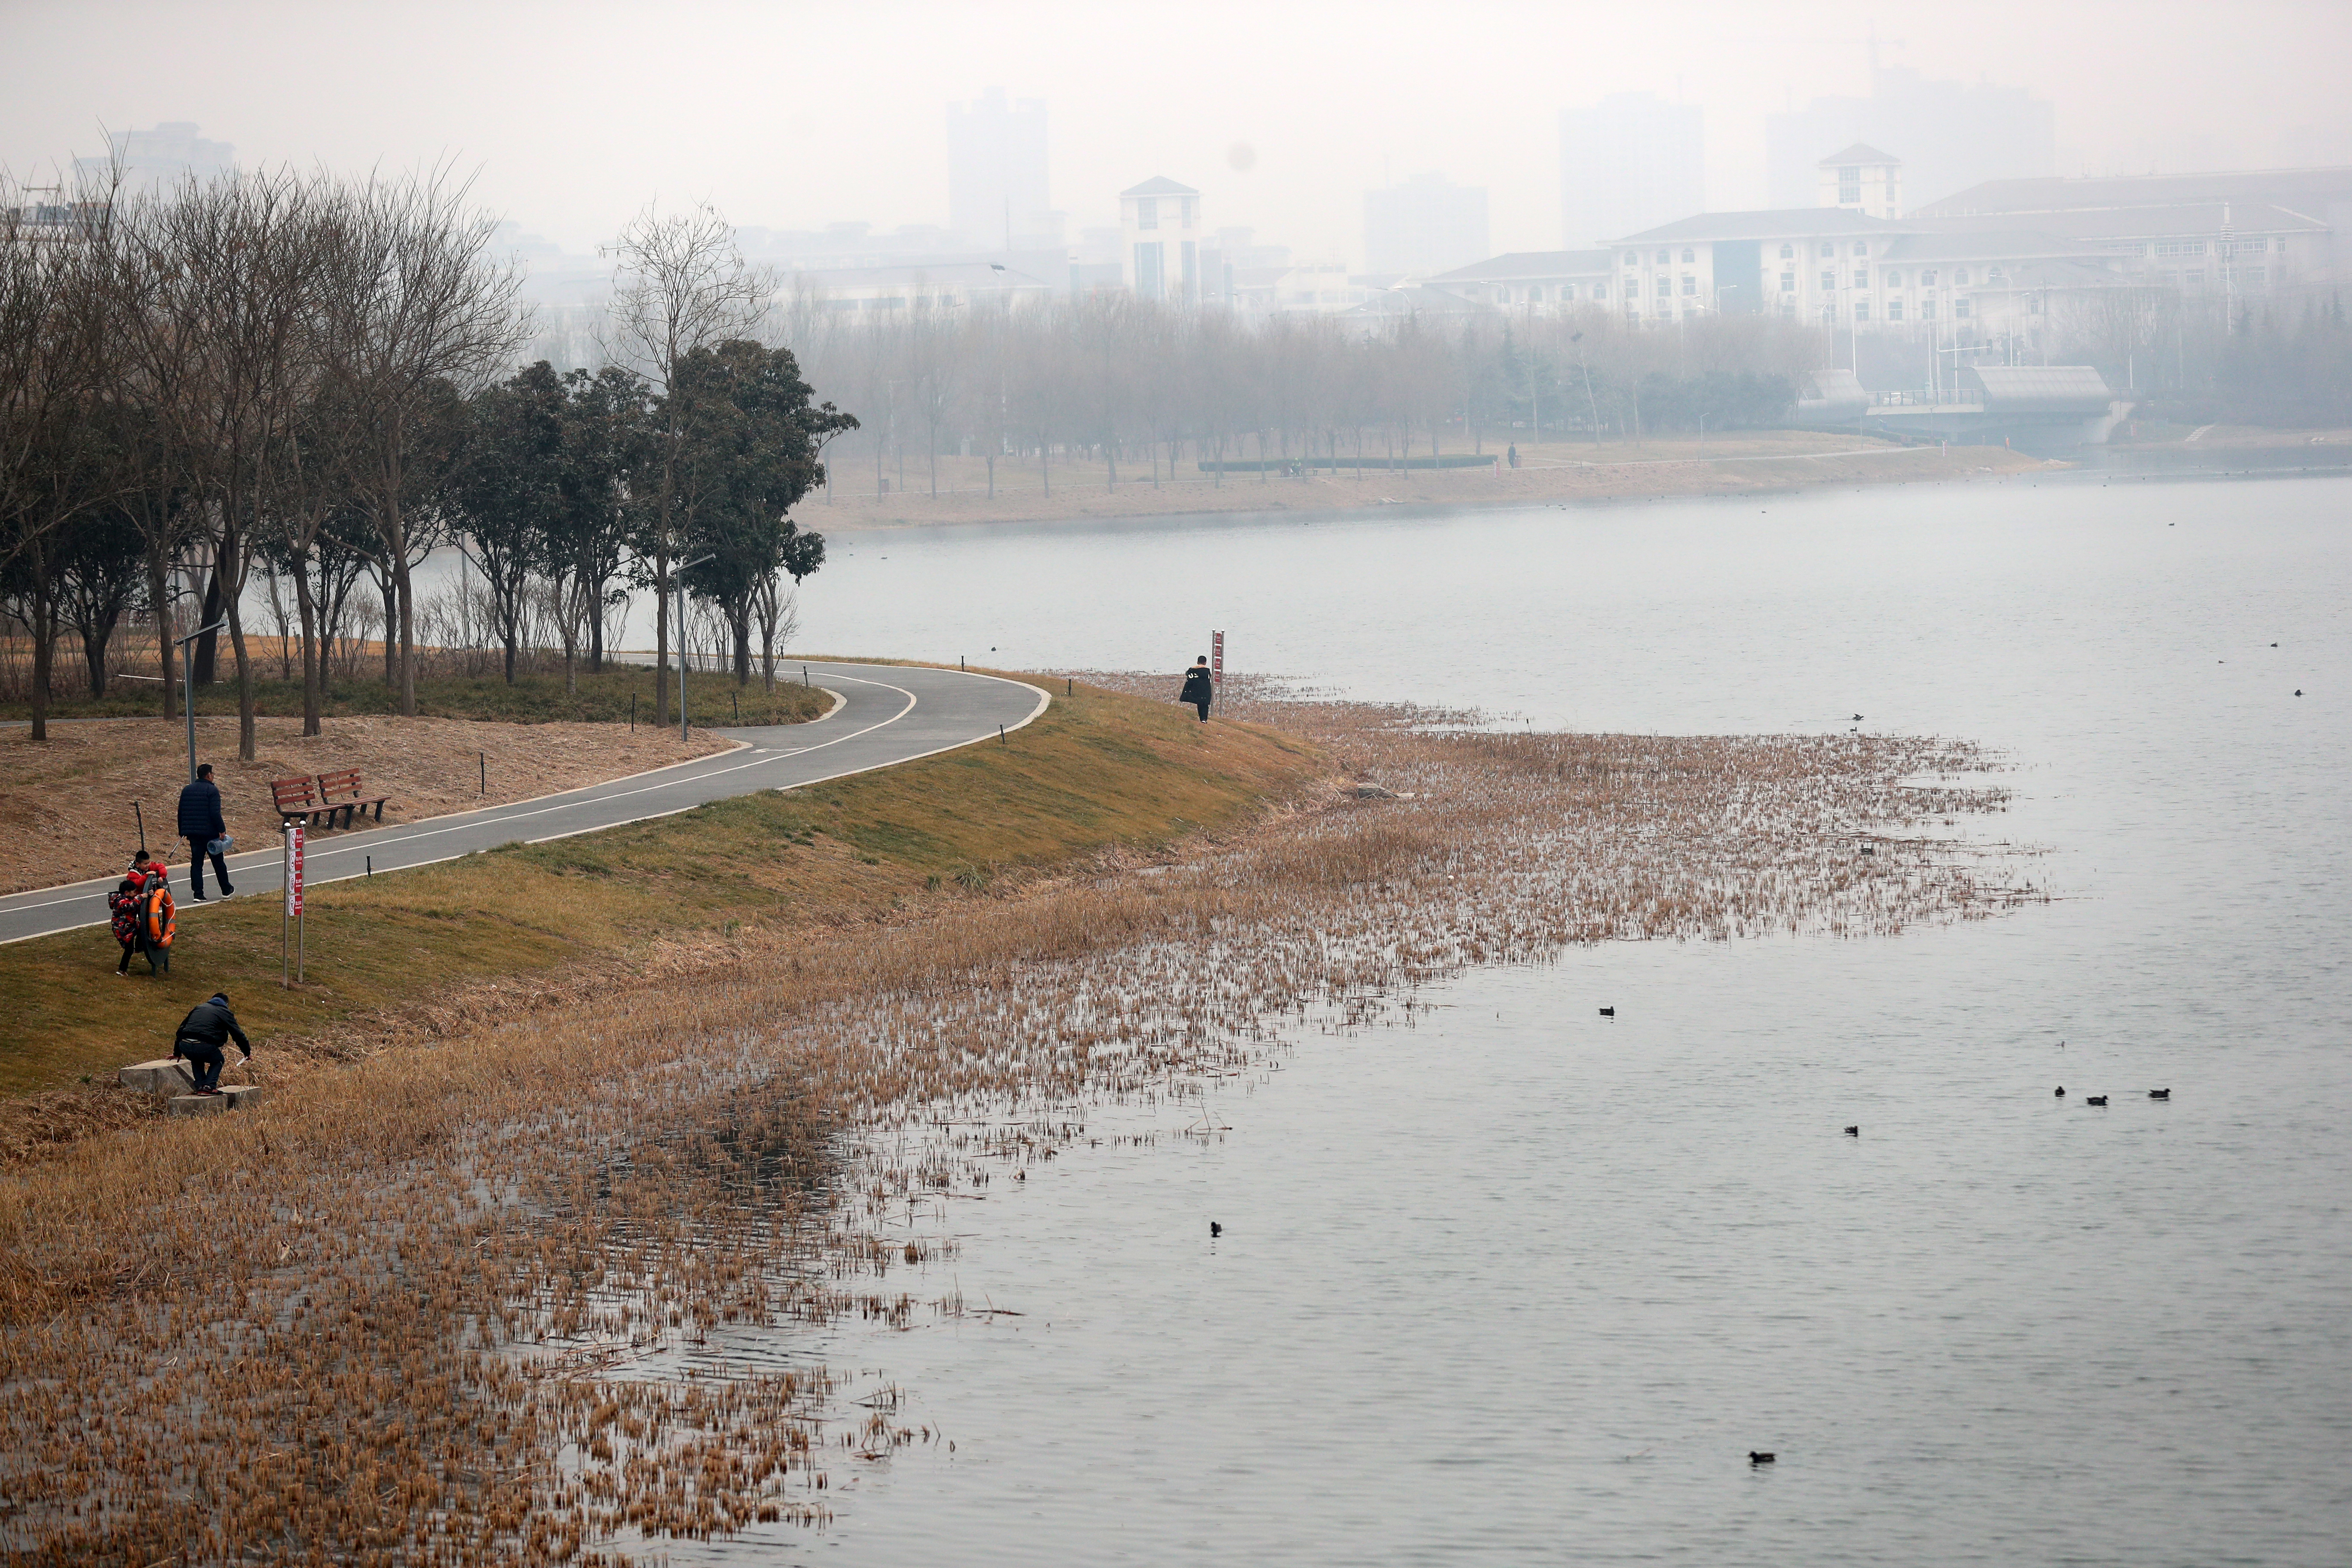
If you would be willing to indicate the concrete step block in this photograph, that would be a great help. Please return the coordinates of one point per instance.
(232, 1097)
(163, 1075)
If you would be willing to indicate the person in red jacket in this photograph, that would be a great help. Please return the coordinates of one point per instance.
(123, 913)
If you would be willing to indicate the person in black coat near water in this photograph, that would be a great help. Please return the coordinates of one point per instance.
(1198, 690)
(200, 824)
(209, 1026)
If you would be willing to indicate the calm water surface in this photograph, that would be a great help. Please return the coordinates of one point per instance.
(1518, 1284)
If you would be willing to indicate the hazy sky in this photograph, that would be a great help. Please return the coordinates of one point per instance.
(793, 115)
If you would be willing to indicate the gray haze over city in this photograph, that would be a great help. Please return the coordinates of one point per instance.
(795, 118)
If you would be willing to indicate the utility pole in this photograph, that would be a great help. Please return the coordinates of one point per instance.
(677, 575)
(188, 689)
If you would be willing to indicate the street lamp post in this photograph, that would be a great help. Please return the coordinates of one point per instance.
(188, 690)
(679, 577)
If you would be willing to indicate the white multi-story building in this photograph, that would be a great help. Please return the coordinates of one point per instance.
(1538, 280)
(1994, 262)
(1160, 232)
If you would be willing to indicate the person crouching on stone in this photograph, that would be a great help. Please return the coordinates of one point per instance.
(208, 1028)
(1198, 690)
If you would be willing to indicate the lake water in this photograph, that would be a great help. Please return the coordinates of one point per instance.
(1519, 1284)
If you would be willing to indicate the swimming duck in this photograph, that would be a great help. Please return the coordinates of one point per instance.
(2097, 1100)
(2159, 1094)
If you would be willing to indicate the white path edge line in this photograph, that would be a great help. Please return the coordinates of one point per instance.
(1045, 701)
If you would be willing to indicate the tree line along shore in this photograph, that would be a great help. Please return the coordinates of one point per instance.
(1740, 463)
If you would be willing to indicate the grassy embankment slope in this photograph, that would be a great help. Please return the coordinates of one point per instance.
(1743, 463)
(1096, 770)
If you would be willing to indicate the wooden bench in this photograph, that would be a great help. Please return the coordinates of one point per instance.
(343, 792)
(295, 798)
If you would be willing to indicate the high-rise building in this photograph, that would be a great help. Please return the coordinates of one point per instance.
(1630, 161)
(1951, 134)
(1426, 225)
(997, 196)
(157, 159)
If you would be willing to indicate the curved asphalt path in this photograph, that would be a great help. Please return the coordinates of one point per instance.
(891, 713)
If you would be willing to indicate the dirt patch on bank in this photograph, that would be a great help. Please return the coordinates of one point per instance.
(66, 803)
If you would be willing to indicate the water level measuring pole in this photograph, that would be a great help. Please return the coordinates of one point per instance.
(1217, 657)
(292, 911)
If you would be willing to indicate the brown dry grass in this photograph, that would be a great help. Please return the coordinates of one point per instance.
(399, 1293)
(66, 803)
(1747, 463)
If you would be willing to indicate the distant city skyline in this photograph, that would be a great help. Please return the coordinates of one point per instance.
(802, 126)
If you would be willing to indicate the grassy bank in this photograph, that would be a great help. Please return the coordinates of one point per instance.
(605, 698)
(1096, 769)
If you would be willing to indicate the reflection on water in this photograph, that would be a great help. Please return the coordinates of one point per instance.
(1518, 1283)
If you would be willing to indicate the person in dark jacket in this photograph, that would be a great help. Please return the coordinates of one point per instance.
(200, 824)
(1198, 690)
(209, 1027)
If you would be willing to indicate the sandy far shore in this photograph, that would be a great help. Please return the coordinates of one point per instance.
(66, 803)
(1554, 473)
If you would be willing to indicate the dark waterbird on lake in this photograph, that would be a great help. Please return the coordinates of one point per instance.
(1216, 1230)
(1755, 1458)
(2061, 1091)
(1854, 1132)
(1608, 1011)
(2159, 1094)
(2097, 1100)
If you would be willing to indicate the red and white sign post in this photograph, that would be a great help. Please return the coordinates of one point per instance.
(290, 954)
(1217, 658)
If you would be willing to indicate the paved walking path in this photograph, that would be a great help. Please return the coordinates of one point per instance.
(891, 713)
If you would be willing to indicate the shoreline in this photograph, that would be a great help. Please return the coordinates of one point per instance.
(1553, 474)
(972, 930)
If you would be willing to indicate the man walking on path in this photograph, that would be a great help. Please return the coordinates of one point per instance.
(1198, 690)
(202, 826)
(209, 1027)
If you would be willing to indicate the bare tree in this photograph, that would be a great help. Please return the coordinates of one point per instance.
(419, 315)
(679, 284)
(227, 278)
(56, 345)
